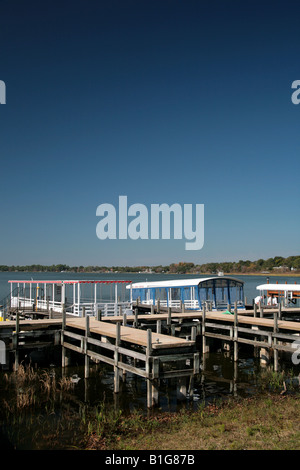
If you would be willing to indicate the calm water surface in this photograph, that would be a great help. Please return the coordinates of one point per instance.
(249, 287)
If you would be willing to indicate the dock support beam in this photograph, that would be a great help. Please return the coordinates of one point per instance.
(16, 341)
(235, 334)
(148, 368)
(275, 330)
(116, 359)
(205, 347)
(86, 356)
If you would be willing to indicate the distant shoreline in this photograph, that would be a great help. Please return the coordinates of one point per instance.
(264, 274)
(297, 274)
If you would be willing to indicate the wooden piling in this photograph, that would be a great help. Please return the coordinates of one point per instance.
(148, 368)
(205, 347)
(16, 341)
(116, 359)
(86, 356)
(255, 310)
(279, 310)
(235, 334)
(169, 319)
(155, 381)
(275, 350)
(135, 323)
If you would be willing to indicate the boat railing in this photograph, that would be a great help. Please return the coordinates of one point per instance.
(189, 304)
(107, 308)
(91, 308)
(38, 304)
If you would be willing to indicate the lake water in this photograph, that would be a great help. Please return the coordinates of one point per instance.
(249, 287)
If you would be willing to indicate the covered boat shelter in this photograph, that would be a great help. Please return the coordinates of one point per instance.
(73, 295)
(272, 294)
(220, 291)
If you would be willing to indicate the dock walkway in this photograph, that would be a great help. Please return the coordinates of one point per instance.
(153, 346)
(149, 355)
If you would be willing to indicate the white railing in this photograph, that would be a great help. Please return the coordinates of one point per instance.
(24, 302)
(194, 304)
(91, 308)
(108, 309)
(189, 304)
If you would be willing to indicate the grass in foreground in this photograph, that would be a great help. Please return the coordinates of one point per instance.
(37, 412)
(266, 423)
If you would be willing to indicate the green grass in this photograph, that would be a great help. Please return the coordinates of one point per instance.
(263, 423)
(38, 414)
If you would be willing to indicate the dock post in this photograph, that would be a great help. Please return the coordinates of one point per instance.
(155, 381)
(152, 309)
(158, 306)
(205, 347)
(83, 312)
(235, 334)
(63, 349)
(275, 330)
(124, 319)
(169, 320)
(158, 326)
(136, 322)
(196, 363)
(193, 333)
(279, 310)
(264, 356)
(255, 310)
(65, 358)
(16, 341)
(86, 357)
(116, 359)
(148, 370)
(99, 314)
(261, 310)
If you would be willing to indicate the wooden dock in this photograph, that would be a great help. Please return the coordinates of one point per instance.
(127, 350)
(267, 335)
(154, 346)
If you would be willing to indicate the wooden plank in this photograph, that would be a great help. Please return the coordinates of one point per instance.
(31, 324)
(282, 324)
(130, 335)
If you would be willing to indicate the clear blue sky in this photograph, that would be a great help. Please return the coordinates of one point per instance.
(161, 100)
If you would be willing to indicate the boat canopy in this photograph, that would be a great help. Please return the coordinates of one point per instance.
(73, 295)
(220, 291)
(271, 294)
(279, 287)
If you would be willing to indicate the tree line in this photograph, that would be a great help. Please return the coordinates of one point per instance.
(277, 264)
